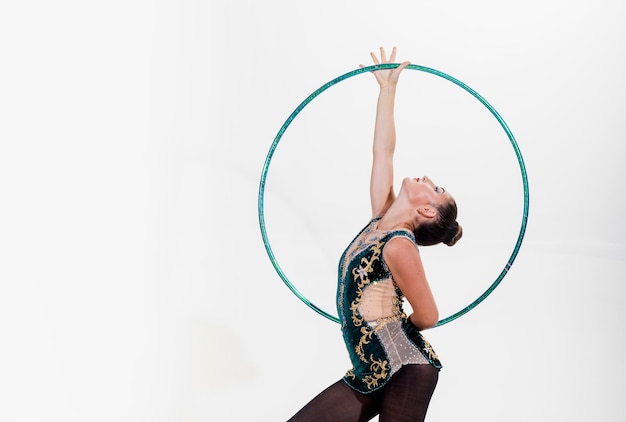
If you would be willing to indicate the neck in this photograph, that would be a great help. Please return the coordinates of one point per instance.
(397, 218)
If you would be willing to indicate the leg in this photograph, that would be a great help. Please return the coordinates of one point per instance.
(338, 403)
(407, 395)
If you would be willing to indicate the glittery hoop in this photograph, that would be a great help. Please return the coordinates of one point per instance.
(323, 88)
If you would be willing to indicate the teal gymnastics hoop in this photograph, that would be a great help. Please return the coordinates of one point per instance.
(338, 79)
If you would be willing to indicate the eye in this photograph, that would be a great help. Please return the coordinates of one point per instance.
(439, 189)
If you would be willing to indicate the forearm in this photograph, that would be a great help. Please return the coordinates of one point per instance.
(425, 313)
(385, 129)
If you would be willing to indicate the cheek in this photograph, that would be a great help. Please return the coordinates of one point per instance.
(421, 195)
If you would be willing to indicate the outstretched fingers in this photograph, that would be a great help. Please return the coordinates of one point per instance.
(374, 58)
(383, 56)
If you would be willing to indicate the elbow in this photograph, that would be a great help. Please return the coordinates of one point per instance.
(425, 320)
(431, 321)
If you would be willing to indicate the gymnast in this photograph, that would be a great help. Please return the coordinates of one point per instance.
(395, 370)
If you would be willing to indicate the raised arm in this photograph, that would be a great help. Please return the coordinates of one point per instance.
(381, 181)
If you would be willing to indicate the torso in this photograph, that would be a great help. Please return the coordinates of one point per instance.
(379, 338)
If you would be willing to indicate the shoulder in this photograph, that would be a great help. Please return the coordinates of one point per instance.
(403, 259)
(400, 244)
(407, 235)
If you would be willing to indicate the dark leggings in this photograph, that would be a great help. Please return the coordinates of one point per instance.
(404, 398)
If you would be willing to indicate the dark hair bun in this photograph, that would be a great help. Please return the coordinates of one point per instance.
(455, 233)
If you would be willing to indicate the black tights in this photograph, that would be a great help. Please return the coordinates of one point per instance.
(404, 398)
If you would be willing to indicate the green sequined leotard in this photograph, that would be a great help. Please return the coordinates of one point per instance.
(377, 333)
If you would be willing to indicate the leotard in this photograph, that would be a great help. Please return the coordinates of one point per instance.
(378, 335)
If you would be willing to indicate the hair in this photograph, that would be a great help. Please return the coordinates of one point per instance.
(444, 229)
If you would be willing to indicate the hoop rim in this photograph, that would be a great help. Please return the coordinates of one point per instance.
(292, 116)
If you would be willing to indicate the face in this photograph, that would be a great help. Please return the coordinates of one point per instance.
(422, 191)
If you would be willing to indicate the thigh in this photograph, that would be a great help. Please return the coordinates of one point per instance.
(339, 403)
(407, 395)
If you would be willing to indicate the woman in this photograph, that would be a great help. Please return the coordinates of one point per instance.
(395, 369)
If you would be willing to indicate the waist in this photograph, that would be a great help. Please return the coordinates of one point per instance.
(382, 321)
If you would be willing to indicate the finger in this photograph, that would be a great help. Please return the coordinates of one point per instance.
(374, 58)
(403, 65)
(393, 55)
(400, 68)
(383, 57)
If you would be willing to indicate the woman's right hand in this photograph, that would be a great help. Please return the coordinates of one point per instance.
(387, 77)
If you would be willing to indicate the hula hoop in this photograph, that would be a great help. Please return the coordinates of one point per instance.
(338, 79)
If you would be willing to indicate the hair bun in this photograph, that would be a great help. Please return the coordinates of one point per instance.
(455, 233)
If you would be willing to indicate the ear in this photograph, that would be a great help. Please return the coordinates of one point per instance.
(427, 212)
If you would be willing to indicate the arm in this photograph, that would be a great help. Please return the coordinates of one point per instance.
(381, 181)
(405, 264)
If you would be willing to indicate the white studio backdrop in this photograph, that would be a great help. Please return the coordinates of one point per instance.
(134, 285)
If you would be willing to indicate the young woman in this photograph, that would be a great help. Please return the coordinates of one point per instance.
(395, 369)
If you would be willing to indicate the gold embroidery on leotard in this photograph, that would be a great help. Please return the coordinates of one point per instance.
(365, 339)
(429, 349)
(379, 368)
(361, 276)
(362, 279)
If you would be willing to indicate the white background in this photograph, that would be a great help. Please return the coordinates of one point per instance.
(134, 285)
